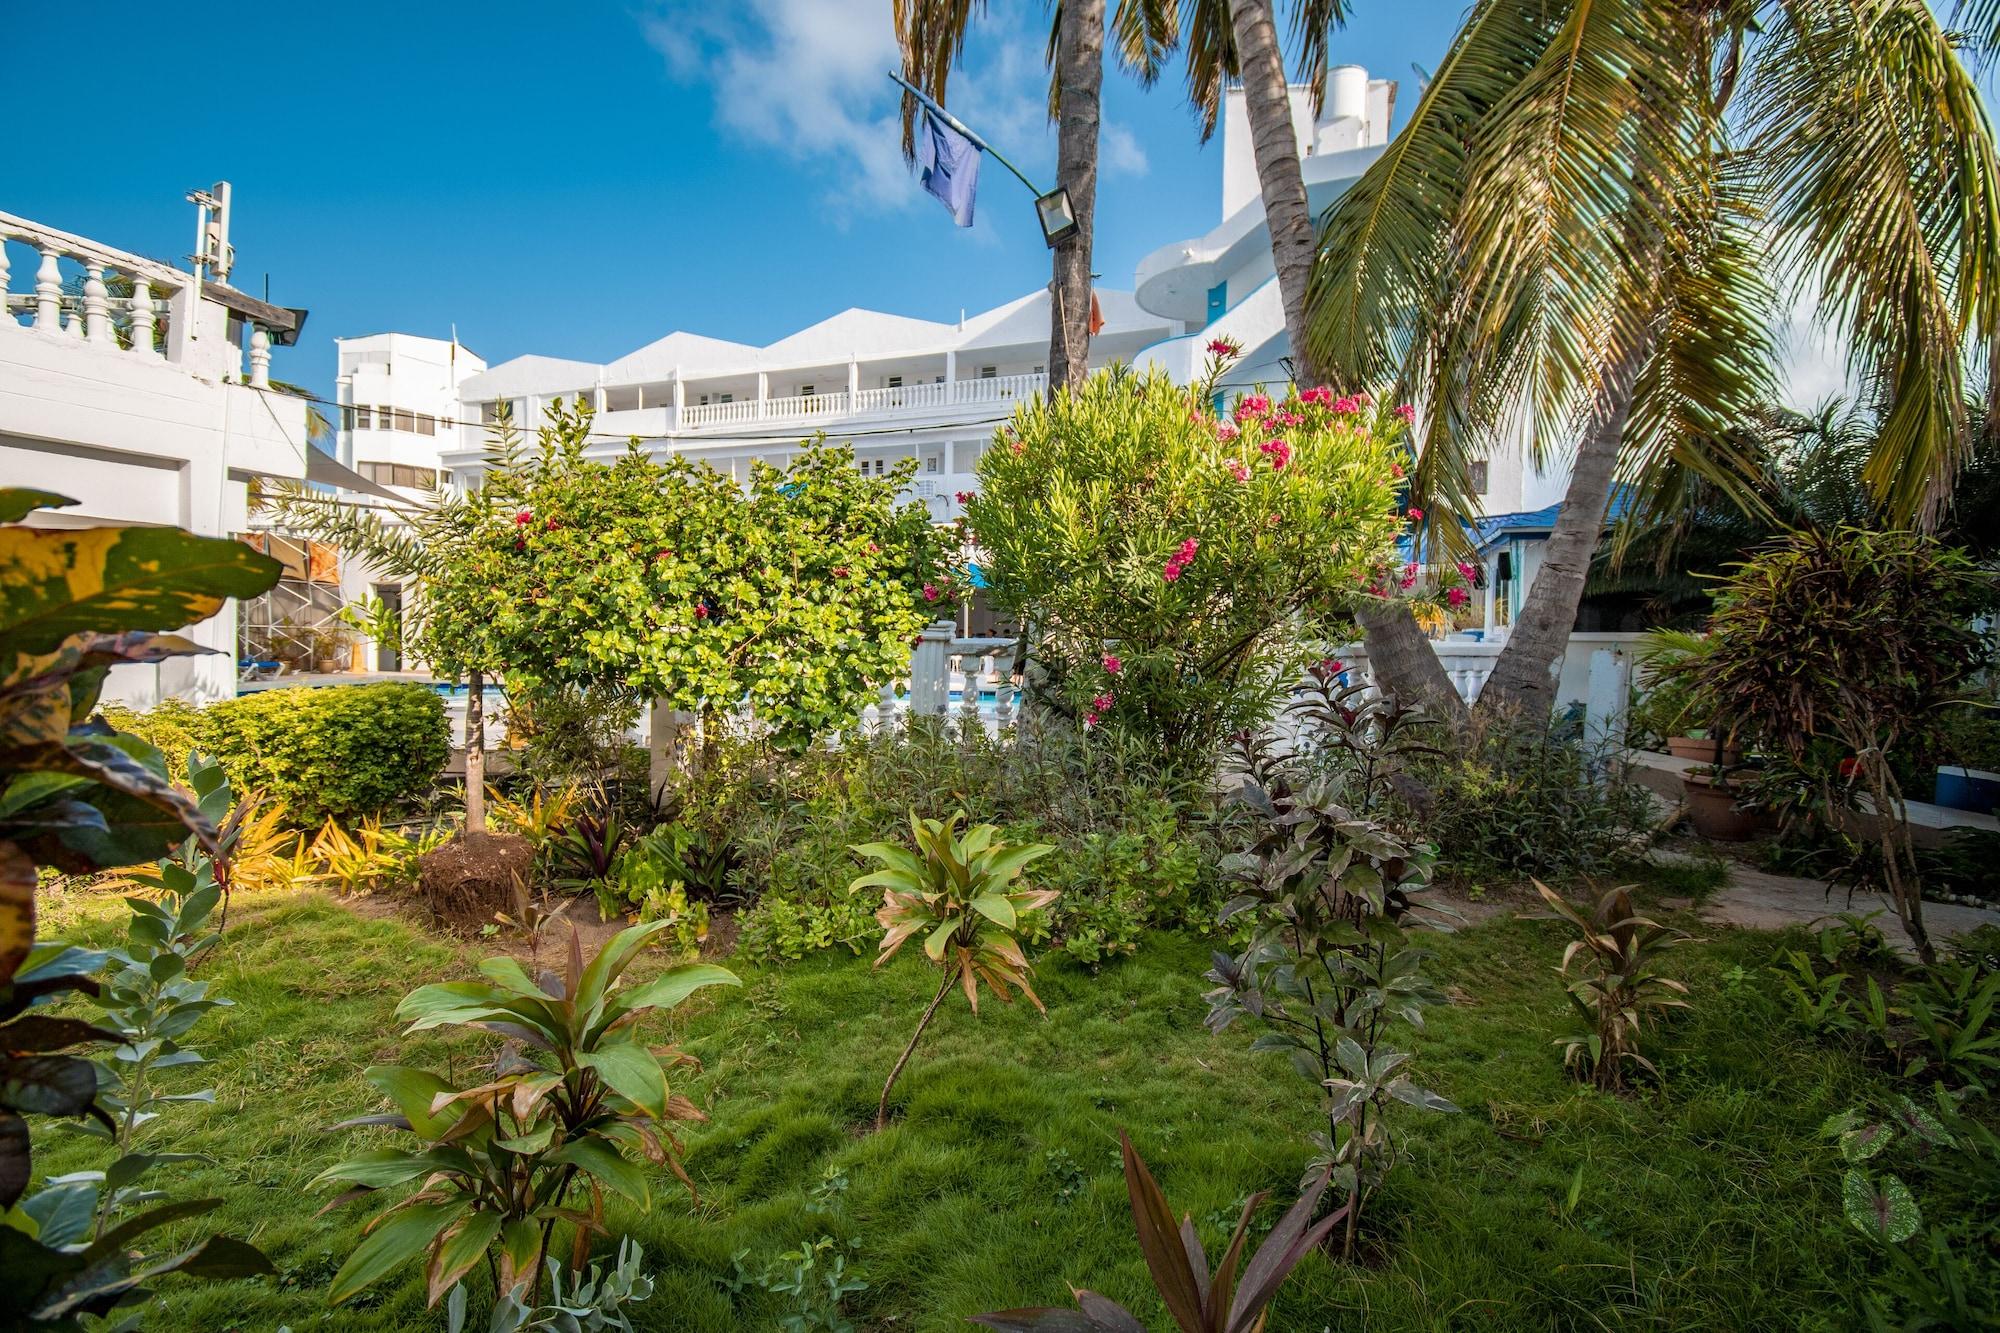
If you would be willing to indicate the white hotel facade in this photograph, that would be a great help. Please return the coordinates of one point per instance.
(893, 386)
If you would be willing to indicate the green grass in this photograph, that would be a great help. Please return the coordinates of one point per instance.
(1706, 1204)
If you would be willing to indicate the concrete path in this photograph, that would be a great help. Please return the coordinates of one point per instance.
(1759, 901)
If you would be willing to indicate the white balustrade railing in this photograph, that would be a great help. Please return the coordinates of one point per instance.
(999, 391)
(123, 302)
(136, 318)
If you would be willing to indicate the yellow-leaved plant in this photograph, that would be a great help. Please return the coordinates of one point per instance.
(964, 895)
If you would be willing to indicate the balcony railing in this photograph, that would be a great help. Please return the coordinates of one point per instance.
(1001, 390)
(134, 319)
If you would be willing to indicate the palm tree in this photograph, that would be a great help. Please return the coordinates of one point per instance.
(1579, 235)
(1239, 39)
(932, 36)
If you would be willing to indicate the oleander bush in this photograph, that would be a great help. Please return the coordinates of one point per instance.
(338, 753)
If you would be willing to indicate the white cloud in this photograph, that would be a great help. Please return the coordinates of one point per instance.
(806, 79)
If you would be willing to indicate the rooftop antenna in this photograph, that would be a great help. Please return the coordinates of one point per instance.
(213, 254)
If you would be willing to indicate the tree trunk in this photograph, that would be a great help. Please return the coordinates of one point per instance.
(1404, 662)
(1079, 77)
(1521, 685)
(1274, 142)
(475, 752)
(882, 1107)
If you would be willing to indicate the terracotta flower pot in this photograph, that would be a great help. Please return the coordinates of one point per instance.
(1703, 750)
(1712, 809)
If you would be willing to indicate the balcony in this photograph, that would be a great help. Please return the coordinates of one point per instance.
(817, 409)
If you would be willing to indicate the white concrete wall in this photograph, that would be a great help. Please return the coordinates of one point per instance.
(140, 439)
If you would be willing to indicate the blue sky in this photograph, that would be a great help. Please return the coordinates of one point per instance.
(579, 182)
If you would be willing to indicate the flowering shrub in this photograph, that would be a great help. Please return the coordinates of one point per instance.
(1174, 569)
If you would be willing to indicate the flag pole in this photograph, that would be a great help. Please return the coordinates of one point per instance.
(964, 129)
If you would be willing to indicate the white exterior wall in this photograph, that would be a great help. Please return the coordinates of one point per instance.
(135, 436)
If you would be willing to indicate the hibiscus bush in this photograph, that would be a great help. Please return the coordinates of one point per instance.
(1175, 569)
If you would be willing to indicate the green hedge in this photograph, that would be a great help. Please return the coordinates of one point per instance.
(344, 751)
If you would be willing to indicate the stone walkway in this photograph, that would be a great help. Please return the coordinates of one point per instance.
(1759, 901)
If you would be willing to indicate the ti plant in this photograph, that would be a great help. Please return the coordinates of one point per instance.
(961, 895)
(1235, 1298)
(499, 1164)
(78, 796)
(1620, 986)
(1330, 969)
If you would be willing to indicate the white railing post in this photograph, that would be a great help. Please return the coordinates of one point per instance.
(142, 317)
(260, 357)
(930, 667)
(48, 292)
(6, 311)
(96, 304)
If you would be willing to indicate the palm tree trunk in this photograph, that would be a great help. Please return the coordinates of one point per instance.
(1267, 99)
(475, 752)
(1080, 79)
(1405, 664)
(1522, 685)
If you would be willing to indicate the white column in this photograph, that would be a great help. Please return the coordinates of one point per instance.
(930, 683)
(763, 393)
(96, 305)
(680, 397)
(5, 313)
(853, 382)
(260, 357)
(142, 317)
(48, 293)
(1492, 583)
(950, 373)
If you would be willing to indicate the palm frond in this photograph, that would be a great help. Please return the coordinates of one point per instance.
(931, 36)
(1886, 202)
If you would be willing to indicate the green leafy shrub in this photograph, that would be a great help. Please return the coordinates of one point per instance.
(1137, 843)
(1517, 802)
(1330, 972)
(341, 752)
(1175, 571)
(506, 1160)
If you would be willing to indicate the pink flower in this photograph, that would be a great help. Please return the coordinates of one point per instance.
(1289, 419)
(1252, 407)
(1278, 452)
(1224, 347)
(664, 553)
(1409, 579)
(1089, 720)
(1112, 664)
(1396, 469)
(1238, 469)
(1101, 704)
(840, 571)
(1347, 406)
(1273, 520)
(930, 592)
(1466, 572)
(1188, 548)
(701, 610)
(1171, 572)
(1416, 515)
(1225, 431)
(551, 525)
(523, 519)
(1407, 413)
(963, 497)
(1456, 597)
(1332, 666)
(1017, 447)
(873, 549)
(1321, 396)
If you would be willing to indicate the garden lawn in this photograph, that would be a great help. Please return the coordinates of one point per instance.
(1708, 1204)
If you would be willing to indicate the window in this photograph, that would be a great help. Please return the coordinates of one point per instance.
(989, 372)
(426, 425)
(399, 474)
(895, 381)
(1041, 370)
(805, 391)
(347, 417)
(406, 420)
(489, 413)
(728, 398)
(359, 418)
(933, 464)
(1479, 476)
(703, 402)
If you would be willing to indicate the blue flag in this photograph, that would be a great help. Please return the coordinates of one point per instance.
(949, 163)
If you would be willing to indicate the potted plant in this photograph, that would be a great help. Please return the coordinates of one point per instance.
(329, 648)
(1676, 706)
(1712, 804)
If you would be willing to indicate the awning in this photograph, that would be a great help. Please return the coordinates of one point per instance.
(326, 470)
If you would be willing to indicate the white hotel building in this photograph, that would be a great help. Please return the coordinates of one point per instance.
(897, 387)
